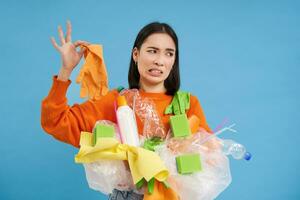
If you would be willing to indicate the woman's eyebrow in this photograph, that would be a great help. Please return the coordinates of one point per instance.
(168, 49)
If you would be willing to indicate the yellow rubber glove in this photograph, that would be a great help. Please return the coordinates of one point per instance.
(93, 75)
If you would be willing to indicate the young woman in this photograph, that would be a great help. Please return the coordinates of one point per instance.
(154, 71)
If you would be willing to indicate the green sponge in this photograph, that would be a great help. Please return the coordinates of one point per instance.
(180, 125)
(187, 164)
(103, 131)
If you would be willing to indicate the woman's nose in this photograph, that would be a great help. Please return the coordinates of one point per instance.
(159, 61)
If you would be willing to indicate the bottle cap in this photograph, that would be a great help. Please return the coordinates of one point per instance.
(247, 156)
(121, 101)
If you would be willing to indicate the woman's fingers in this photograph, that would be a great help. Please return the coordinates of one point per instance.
(81, 51)
(68, 39)
(55, 44)
(69, 32)
(80, 42)
(61, 35)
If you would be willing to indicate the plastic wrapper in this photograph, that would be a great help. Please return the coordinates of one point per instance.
(206, 184)
(106, 175)
(146, 111)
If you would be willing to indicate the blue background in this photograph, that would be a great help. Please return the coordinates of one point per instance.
(241, 58)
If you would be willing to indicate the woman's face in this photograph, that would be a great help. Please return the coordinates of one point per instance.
(155, 59)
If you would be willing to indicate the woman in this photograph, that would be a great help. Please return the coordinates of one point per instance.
(154, 71)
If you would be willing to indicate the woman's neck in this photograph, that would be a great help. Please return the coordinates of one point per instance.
(159, 88)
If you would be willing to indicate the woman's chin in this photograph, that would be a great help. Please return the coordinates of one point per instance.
(154, 80)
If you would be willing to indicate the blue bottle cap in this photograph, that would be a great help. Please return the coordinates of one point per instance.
(247, 156)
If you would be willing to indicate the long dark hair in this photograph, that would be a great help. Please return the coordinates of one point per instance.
(172, 83)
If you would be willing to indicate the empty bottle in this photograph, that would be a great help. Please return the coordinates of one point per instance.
(127, 123)
(236, 150)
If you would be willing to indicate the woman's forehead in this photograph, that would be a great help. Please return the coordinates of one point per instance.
(160, 41)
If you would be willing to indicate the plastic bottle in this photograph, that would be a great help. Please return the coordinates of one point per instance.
(127, 123)
(236, 150)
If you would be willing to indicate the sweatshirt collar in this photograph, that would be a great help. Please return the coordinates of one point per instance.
(154, 95)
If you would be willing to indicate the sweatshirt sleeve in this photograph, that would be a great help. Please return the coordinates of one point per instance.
(197, 110)
(65, 122)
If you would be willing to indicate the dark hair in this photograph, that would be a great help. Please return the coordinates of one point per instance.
(172, 83)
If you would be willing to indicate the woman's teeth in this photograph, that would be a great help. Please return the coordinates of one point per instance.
(156, 71)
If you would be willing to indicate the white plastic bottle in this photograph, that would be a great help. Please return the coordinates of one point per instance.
(127, 123)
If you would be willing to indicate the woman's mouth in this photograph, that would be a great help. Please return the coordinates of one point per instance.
(155, 72)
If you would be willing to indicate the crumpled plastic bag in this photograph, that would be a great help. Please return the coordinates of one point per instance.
(206, 184)
(106, 175)
(146, 111)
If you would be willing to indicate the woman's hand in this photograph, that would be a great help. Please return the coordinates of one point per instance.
(70, 56)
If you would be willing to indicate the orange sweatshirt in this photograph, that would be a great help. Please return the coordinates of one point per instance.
(65, 122)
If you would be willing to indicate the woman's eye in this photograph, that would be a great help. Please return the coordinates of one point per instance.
(170, 54)
(152, 51)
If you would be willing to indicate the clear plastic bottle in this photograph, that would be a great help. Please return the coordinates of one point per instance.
(127, 123)
(236, 150)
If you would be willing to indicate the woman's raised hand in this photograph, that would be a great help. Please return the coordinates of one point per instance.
(70, 56)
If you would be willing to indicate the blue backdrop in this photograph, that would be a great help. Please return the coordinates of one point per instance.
(241, 58)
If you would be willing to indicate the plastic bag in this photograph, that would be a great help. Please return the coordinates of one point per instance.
(146, 111)
(106, 175)
(206, 184)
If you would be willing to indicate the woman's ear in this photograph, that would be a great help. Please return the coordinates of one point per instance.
(135, 53)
